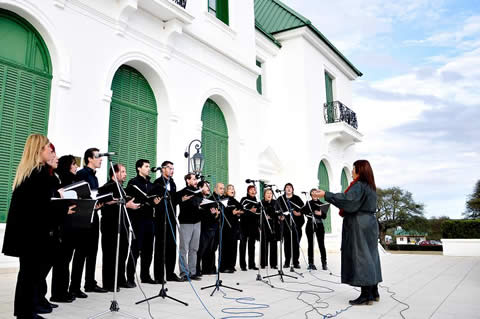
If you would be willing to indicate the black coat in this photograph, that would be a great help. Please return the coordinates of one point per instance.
(309, 209)
(29, 223)
(189, 209)
(249, 222)
(160, 188)
(294, 203)
(272, 210)
(360, 260)
(147, 208)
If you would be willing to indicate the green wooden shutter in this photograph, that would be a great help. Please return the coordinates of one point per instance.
(259, 79)
(262, 189)
(214, 143)
(133, 120)
(344, 181)
(25, 85)
(329, 92)
(324, 184)
(222, 11)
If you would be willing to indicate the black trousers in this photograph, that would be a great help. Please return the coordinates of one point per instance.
(161, 266)
(268, 243)
(320, 234)
(142, 246)
(109, 248)
(295, 244)
(248, 239)
(29, 282)
(86, 255)
(61, 265)
(229, 248)
(206, 249)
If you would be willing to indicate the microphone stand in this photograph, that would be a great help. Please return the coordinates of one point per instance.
(280, 273)
(292, 224)
(314, 222)
(163, 291)
(114, 307)
(218, 282)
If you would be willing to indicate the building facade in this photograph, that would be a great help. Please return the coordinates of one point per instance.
(262, 88)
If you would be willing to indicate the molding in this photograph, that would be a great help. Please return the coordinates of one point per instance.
(321, 47)
(107, 96)
(166, 10)
(343, 133)
(265, 44)
(128, 7)
(59, 3)
(220, 25)
(64, 83)
(174, 118)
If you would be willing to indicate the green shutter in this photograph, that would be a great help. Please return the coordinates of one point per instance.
(329, 92)
(214, 143)
(133, 120)
(259, 79)
(344, 181)
(262, 189)
(324, 184)
(222, 11)
(25, 84)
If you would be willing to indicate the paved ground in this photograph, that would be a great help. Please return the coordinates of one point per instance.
(433, 286)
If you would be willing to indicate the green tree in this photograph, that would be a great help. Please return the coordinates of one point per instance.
(473, 203)
(395, 207)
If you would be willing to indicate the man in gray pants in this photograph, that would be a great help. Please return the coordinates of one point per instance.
(189, 219)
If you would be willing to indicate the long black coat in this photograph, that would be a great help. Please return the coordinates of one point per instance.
(360, 260)
(28, 229)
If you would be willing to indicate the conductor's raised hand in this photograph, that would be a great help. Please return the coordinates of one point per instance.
(131, 205)
(321, 193)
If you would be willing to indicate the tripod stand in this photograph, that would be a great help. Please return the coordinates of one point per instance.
(114, 307)
(218, 282)
(163, 291)
(280, 273)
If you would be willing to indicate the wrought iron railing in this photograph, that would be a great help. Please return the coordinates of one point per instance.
(336, 111)
(181, 3)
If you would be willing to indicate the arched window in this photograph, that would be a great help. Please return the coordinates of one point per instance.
(344, 180)
(323, 183)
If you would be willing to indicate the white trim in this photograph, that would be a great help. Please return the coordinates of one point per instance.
(265, 44)
(321, 46)
(220, 25)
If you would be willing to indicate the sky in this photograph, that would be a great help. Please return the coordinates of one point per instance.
(418, 102)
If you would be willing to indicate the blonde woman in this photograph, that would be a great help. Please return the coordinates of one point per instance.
(27, 233)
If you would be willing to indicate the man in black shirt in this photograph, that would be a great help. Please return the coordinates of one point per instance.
(87, 254)
(249, 222)
(165, 226)
(315, 219)
(289, 202)
(109, 229)
(142, 223)
(189, 232)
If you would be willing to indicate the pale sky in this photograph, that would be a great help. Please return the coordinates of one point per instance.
(418, 103)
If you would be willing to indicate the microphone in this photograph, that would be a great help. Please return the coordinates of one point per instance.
(304, 193)
(105, 154)
(154, 169)
(269, 185)
(278, 191)
(248, 180)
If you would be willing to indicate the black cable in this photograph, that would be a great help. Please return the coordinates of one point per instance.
(392, 294)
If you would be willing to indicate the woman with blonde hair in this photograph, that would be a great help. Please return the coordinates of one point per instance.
(26, 232)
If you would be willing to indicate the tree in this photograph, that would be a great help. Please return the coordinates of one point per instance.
(395, 207)
(473, 203)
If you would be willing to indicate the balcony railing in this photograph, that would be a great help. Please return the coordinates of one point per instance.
(336, 111)
(181, 3)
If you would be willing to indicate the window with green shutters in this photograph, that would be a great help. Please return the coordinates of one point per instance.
(25, 84)
(344, 180)
(324, 184)
(259, 79)
(329, 97)
(214, 143)
(133, 120)
(219, 8)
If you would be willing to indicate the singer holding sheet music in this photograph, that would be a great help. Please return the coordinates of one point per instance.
(142, 220)
(360, 260)
(249, 223)
(208, 217)
(28, 232)
(231, 232)
(270, 235)
(315, 217)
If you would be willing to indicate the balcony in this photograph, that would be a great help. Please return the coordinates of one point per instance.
(341, 123)
(167, 10)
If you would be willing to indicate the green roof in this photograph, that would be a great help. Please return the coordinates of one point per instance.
(403, 232)
(274, 16)
(265, 33)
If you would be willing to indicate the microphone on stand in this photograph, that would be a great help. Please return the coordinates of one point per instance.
(278, 191)
(154, 169)
(269, 185)
(304, 193)
(105, 154)
(248, 180)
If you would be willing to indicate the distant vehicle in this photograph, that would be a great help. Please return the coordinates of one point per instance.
(430, 243)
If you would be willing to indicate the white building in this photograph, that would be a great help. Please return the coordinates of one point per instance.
(145, 77)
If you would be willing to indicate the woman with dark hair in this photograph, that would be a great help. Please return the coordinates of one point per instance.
(66, 170)
(360, 260)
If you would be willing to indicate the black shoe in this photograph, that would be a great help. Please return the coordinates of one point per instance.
(375, 294)
(128, 284)
(244, 269)
(43, 309)
(311, 267)
(159, 282)
(253, 268)
(286, 265)
(95, 288)
(324, 266)
(148, 281)
(229, 271)
(365, 298)
(78, 294)
(195, 277)
(296, 266)
(67, 298)
(110, 289)
(274, 267)
(174, 277)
